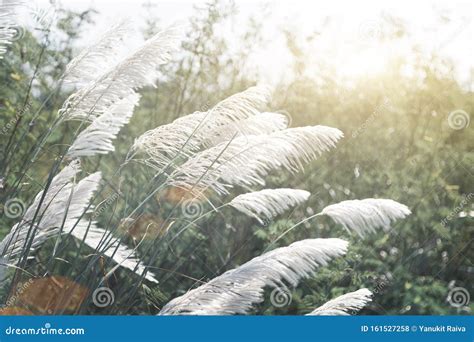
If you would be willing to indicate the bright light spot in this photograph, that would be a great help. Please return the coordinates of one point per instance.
(354, 64)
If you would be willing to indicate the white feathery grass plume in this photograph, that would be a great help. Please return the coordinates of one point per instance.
(138, 70)
(166, 142)
(268, 203)
(352, 301)
(367, 215)
(238, 107)
(97, 137)
(80, 196)
(189, 133)
(235, 291)
(99, 56)
(64, 205)
(96, 237)
(263, 123)
(101, 240)
(8, 22)
(63, 202)
(245, 161)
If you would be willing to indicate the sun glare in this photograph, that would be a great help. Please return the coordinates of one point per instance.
(366, 62)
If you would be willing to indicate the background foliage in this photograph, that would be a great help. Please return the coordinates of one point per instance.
(397, 144)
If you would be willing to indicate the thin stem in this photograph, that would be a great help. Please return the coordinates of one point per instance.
(290, 229)
(197, 219)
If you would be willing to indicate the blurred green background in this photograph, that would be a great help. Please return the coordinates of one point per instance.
(398, 144)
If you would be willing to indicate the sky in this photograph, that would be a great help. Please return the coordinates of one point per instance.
(347, 31)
